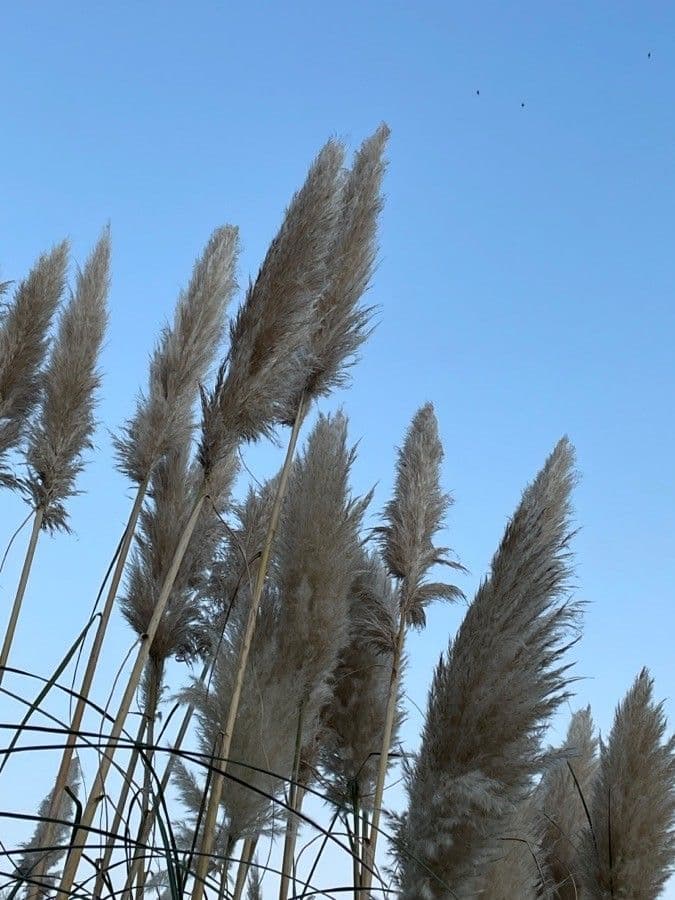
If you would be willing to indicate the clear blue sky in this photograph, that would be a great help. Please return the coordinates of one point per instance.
(527, 272)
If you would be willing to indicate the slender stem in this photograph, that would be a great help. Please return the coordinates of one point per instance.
(98, 788)
(226, 740)
(356, 858)
(318, 856)
(291, 819)
(154, 674)
(225, 868)
(147, 825)
(92, 663)
(371, 841)
(21, 590)
(244, 866)
(122, 800)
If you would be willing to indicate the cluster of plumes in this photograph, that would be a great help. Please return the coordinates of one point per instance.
(558, 809)
(596, 827)
(491, 698)
(64, 424)
(181, 361)
(300, 324)
(35, 855)
(302, 626)
(24, 337)
(48, 395)
(340, 325)
(628, 850)
(413, 517)
(301, 312)
(353, 718)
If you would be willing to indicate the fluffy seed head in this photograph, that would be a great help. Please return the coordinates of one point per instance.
(34, 856)
(564, 788)
(413, 517)
(341, 325)
(492, 696)
(64, 426)
(317, 555)
(181, 360)
(630, 850)
(353, 718)
(23, 342)
(268, 361)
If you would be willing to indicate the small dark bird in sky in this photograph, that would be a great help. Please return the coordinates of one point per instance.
(522, 106)
(649, 55)
(478, 93)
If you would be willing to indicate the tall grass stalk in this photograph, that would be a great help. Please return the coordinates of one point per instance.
(127, 781)
(226, 740)
(21, 590)
(370, 841)
(146, 826)
(294, 798)
(95, 653)
(98, 788)
(244, 867)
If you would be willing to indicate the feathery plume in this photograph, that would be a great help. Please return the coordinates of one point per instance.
(64, 425)
(353, 719)
(34, 855)
(341, 325)
(261, 752)
(491, 698)
(518, 870)
(174, 487)
(233, 574)
(270, 335)
(23, 343)
(564, 788)
(317, 552)
(630, 850)
(413, 516)
(181, 360)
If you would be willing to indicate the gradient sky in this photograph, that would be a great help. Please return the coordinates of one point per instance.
(525, 284)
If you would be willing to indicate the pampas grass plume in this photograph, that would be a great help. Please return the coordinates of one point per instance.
(64, 425)
(267, 361)
(181, 360)
(412, 518)
(564, 788)
(23, 342)
(341, 325)
(630, 851)
(491, 697)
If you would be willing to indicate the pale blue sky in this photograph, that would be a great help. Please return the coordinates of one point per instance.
(527, 270)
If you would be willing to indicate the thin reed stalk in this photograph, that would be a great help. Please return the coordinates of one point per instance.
(98, 787)
(226, 740)
(21, 590)
(154, 678)
(291, 820)
(370, 841)
(247, 853)
(127, 781)
(164, 783)
(95, 652)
